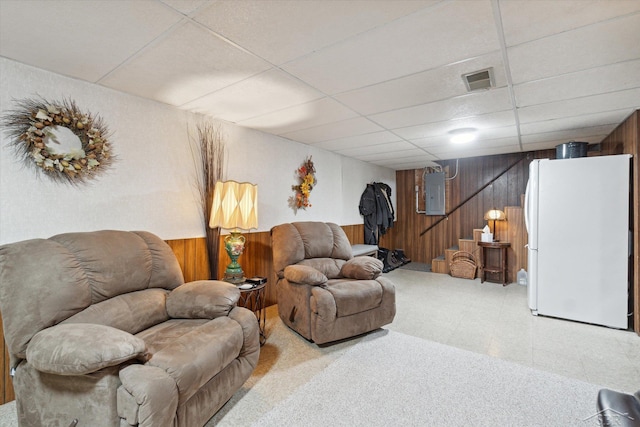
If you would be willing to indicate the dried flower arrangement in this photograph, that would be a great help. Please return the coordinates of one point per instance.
(32, 125)
(307, 176)
(211, 166)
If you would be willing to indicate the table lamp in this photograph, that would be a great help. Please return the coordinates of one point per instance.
(495, 215)
(234, 207)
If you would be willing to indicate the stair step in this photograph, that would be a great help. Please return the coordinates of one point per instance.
(468, 245)
(440, 265)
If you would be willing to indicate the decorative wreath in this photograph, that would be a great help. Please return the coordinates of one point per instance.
(307, 176)
(31, 125)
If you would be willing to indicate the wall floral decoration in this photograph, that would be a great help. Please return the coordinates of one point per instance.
(306, 175)
(58, 139)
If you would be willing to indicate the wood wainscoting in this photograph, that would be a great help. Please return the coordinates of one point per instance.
(256, 260)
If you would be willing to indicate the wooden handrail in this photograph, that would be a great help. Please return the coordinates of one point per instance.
(446, 215)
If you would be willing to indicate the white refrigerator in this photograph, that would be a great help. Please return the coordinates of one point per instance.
(577, 217)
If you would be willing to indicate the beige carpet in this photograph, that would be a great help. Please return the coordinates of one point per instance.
(386, 378)
(393, 379)
(289, 364)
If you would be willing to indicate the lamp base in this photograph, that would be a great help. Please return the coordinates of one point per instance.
(234, 245)
(236, 279)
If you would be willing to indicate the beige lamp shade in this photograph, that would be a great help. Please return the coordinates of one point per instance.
(234, 206)
(495, 215)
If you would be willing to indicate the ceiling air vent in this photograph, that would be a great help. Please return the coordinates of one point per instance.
(478, 80)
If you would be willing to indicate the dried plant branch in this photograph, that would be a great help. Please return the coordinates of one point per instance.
(211, 167)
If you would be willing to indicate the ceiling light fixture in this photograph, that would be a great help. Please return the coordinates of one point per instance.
(460, 136)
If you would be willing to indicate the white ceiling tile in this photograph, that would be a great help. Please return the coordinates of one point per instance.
(376, 80)
(479, 152)
(342, 129)
(426, 39)
(389, 147)
(484, 121)
(188, 63)
(526, 20)
(566, 136)
(358, 141)
(185, 6)
(610, 78)
(303, 116)
(553, 143)
(254, 96)
(80, 39)
(296, 28)
(490, 133)
(473, 104)
(405, 163)
(401, 154)
(575, 107)
(576, 123)
(421, 88)
(569, 134)
(588, 47)
(479, 144)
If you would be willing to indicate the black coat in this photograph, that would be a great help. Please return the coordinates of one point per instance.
(377, 210)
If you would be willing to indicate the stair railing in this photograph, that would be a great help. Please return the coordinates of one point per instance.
(465, 201)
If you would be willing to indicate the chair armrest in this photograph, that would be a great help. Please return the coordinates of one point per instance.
(82, 348)
(304, 274)
(362, 268)
(148, 396)
(202, 299)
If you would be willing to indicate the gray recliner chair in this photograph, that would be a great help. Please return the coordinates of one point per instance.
(323, 292)
(101, 328)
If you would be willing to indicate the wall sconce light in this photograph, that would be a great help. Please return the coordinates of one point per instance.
(234, 207)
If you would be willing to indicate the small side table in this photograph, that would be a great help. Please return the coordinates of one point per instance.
(254, 299)
(490, 264)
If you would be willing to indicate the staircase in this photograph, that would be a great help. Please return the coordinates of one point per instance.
(441, 264)
(512, 230)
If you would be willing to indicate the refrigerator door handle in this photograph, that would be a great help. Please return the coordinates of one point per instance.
(526, 207)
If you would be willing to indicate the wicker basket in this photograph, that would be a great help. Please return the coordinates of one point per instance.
(463, 265)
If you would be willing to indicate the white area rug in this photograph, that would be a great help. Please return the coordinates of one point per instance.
(392, 379)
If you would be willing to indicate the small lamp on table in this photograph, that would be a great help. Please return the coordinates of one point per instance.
(495, 215)
(234, 207)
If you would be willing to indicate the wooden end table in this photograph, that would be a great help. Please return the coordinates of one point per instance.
(492, 265)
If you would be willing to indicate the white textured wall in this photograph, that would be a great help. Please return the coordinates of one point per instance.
(151, 187)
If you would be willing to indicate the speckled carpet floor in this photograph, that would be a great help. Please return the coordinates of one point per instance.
(393, 379)
(390, 378)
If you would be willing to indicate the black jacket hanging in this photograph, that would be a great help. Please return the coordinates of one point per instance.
(377, 210)
(368, 211)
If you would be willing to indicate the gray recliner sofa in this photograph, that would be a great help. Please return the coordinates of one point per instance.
(324, 293)
(101, 328)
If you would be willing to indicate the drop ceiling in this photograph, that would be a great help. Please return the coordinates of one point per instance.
(380, 81)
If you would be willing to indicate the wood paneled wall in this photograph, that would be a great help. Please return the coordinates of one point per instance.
(625, 139)
(468, 176)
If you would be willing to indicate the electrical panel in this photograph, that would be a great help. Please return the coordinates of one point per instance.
(434, 193)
